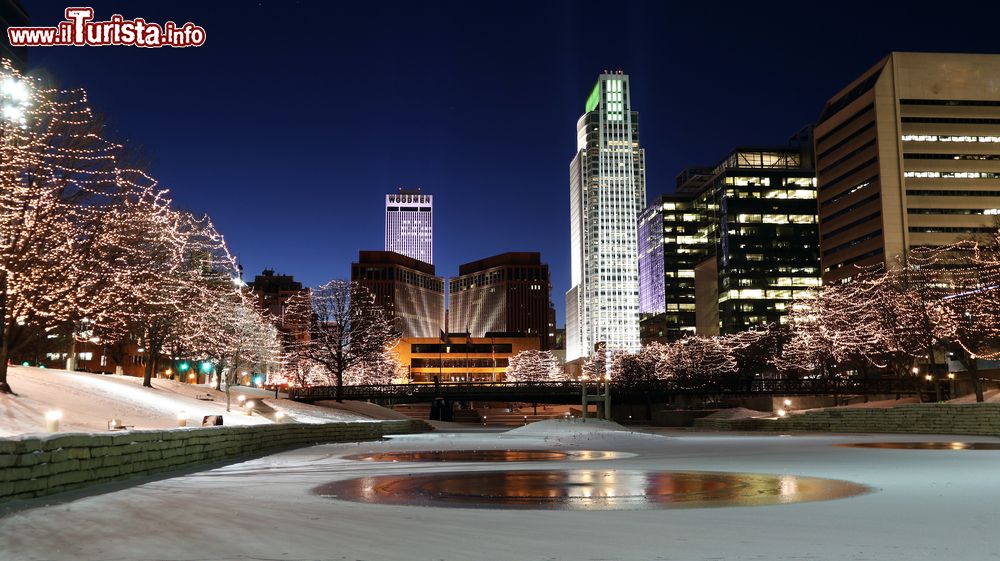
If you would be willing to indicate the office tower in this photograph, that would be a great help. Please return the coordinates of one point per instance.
(737, 244)
(409, 224)
(671, 244)
(607, 193)
(406, 288)
(908, 155)
(506, 293)
(760, 205)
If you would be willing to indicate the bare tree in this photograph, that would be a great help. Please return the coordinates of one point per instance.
(347, 329)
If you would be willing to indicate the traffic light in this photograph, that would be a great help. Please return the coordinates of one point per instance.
(206, 367)
(184, 366)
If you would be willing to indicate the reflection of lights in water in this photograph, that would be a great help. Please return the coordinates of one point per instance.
(488, 456)
(924, 445)
(788, 486)
(589, 489)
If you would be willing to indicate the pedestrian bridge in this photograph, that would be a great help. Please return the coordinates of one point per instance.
(570, 392)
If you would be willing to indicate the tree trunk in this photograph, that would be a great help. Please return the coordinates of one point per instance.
(977, 384)
(147, 377)
(71, 359)
(4, 386)
(4, 337)
(218, 376)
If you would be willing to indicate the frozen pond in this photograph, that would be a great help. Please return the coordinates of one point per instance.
(589, 489)
(924, 505)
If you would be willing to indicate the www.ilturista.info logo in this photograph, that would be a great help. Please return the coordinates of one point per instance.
(79, 30)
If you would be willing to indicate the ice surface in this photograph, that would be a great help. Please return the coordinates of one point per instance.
(930, 505)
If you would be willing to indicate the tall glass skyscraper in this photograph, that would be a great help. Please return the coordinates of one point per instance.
(607, 193)
(409, 224)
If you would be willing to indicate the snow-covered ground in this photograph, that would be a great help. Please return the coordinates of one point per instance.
(933, 505)
(89, 401)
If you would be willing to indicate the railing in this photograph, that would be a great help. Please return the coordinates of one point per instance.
(569, 392)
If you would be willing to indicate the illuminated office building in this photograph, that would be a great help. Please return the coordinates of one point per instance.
(735, 244)
(409, 224)
(506, 293)
(607, 193)
(407, 288)
(761, 226)
(671, 244)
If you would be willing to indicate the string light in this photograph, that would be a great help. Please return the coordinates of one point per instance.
(534, 366)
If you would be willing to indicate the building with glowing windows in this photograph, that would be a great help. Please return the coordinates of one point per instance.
(671, 244)
(908, 155)
(409, 224)
(506, 293)
(607, 193)
(763, 238)
(735, 244)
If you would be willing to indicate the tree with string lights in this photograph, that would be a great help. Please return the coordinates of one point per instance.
(534, 366)
(58, 178)
(382, 369)
(346, 329)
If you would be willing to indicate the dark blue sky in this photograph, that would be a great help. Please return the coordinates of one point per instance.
(295, 118)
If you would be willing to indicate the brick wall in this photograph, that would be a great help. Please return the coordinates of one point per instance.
(36, 466)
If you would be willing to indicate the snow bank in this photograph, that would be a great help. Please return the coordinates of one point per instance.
(89, 401)
(574, 430)
(737, 413)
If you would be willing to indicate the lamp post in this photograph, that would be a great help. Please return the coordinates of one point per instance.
(583, 396)
(607, 397)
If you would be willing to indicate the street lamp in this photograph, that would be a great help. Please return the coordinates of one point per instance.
(14, 101)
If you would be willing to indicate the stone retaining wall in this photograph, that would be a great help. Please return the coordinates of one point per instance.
(36, 466)
(930, 418)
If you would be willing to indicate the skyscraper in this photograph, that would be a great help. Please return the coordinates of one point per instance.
(607, 193)
(409, 224)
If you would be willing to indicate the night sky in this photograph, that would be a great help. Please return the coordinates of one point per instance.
(295, 118)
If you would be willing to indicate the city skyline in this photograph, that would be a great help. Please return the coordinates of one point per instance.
(463, 155)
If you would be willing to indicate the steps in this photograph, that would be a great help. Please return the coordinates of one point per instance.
(486, 417)
(419, 411)
(501, 418)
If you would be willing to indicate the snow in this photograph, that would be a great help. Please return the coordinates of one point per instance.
(989, 396)
(737, 413)
(89, 401)
(929, 505)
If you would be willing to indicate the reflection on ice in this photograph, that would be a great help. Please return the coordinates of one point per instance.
(585, 489)
(925, 445)
(487, 456)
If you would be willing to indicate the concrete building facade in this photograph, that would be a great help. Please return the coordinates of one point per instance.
(407, 288)
(908, 155)
(505, 293)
